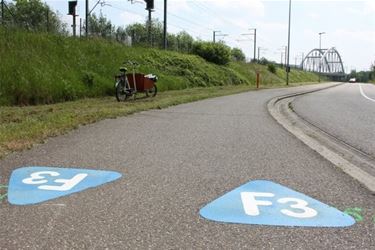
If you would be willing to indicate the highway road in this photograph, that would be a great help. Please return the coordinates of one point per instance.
(173, 163)
(346, 112)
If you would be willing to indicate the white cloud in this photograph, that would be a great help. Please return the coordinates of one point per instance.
(129, 18)
(355, 36)
(313, 15)
(253, 7)
(370, 7)
(178, 6)
(273, 26)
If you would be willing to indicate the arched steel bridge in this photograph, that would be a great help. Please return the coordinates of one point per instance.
(324, 61)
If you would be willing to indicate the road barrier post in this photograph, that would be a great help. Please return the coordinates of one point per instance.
(258, 79)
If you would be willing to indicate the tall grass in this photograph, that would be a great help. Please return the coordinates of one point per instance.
(40, 68)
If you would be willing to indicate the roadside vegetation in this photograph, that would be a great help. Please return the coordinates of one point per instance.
(51, 83)
(22, 127)
(41, 64)
(43, 68)
(364, 76)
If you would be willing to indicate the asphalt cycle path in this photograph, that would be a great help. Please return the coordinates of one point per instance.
(173, 163)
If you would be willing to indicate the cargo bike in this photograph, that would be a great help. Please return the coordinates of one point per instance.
(130, 84)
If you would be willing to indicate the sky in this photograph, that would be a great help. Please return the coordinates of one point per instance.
(349, 25)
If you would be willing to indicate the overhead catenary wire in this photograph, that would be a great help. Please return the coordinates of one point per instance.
(203, 6)
(171, 24)
(187, 26)
(186, 20)
(128, 11)
(194, 27)
(183, 23)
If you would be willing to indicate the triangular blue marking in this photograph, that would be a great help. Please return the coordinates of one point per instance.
(31, 185)
(267, 203)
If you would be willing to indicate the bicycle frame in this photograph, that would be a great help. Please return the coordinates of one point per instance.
(128, 85)
(124, 78)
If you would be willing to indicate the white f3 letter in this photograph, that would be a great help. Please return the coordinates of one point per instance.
(67, 183)
(250, 204)
(39, 178)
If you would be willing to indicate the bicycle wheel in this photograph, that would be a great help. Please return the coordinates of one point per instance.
(121, 94)
(152, 92)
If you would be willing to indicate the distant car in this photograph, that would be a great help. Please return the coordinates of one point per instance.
(352, 80)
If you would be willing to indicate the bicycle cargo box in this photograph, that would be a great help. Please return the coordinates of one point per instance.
(143, 83)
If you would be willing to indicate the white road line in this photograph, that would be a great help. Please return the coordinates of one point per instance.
(363, 93)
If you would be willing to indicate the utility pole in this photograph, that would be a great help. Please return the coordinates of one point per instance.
(287, 66)
(149, 26)
(320, 53)
(283, 51)
(72, 11)
(255, 41)
(2, 12)
(215, 35)
(47, 16)
(80, 27)
(87, 19)
(74, 22)
(88, 12)
(286, 54)
(3, 7)
(165, 25)
(149, 8)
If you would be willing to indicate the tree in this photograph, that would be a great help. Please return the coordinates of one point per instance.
(218, 53)
(121, 35)
(184, 41)
(372, 70)
(172, 42)
(264, 61)
(157, 34)
(271, 68)
(238, 55)
(101, 27)
(138, 33)
(35, 15)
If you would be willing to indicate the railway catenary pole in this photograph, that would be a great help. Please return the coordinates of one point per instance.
(165, 25)
(287, 66)
(320, 52)
(87, 19)
(2, 12)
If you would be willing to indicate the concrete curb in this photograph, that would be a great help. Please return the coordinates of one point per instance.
(334, 151)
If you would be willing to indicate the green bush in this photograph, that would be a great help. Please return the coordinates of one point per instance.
(40, 68)
(88, 79)
(217, 53)
(238, 55)
(271, 68)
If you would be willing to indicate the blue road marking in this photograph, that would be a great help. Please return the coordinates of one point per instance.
(31, 185)
(267, 203)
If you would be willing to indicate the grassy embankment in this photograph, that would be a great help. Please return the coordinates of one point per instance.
(47, 69)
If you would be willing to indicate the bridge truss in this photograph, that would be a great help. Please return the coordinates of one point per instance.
(324, 61)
